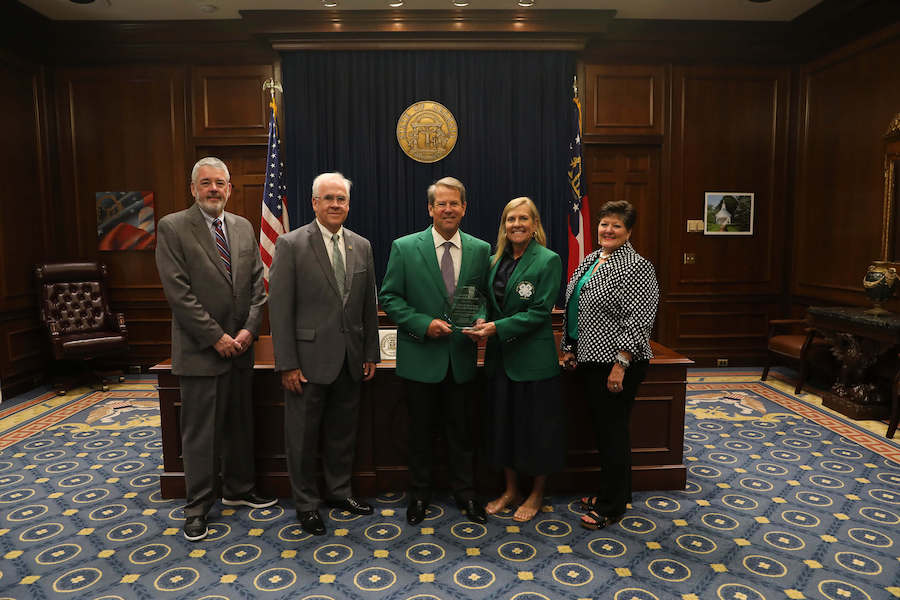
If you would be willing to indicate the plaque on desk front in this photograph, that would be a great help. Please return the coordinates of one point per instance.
(387, 342)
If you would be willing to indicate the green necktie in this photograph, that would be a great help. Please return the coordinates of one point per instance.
(337, 261)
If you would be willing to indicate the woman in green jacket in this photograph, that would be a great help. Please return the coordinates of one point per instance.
(525, 424)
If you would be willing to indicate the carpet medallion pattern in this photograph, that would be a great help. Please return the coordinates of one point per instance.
(783, 501)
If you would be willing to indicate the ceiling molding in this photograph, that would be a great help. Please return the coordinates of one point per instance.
(446, 22)
(460, 42)
(427, 29)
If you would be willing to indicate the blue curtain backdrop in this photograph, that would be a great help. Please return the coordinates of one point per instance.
(513, 112)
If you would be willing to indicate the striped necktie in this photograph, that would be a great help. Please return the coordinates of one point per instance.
(222, 245)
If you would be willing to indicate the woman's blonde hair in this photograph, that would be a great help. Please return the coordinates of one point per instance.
(539, 236)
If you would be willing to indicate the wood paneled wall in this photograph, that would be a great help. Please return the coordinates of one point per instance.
(138, 104)
(28, 228)
(729, 134)
(847, 100)
(123, 129)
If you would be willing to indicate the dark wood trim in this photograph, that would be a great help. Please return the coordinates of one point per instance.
(269, 23)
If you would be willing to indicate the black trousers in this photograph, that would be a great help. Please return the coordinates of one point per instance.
(612, 416)
(431, 405)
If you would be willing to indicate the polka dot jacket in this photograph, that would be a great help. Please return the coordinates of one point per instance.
(616, 308)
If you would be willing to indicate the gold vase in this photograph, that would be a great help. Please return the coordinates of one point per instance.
(879, 284)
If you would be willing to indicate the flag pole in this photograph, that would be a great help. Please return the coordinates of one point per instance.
(274, 220)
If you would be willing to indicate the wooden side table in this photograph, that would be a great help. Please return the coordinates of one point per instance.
(868, 385)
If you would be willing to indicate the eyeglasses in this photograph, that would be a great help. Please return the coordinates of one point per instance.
(339, 200)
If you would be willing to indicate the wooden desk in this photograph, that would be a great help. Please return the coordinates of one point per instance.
(657, 432)
(867, 346)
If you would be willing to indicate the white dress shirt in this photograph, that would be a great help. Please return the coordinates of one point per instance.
(455, 250)
(329, 245)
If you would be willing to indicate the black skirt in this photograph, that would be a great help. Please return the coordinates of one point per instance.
(525, 426)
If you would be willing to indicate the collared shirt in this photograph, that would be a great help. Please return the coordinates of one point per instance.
(212, 228)
(504, 270)
(455, 250)
(616, 307)
(329, 245)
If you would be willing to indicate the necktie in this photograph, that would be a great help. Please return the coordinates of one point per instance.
(337, 261)
(447, 269)
(222, 245)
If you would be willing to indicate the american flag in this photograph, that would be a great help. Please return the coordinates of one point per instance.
(274, 209)
(579, 211)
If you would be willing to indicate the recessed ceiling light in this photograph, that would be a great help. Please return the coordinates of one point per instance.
(526, 3)
(395, 3)
(207, 8)
(81, 1)
(329, 3)
(460, 3)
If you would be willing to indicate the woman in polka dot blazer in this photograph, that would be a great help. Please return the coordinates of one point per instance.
(610, 308)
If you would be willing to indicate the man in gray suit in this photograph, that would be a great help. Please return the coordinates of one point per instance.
(324, 315)
(211, 273)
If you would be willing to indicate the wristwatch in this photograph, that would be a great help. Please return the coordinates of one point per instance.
(621, 360)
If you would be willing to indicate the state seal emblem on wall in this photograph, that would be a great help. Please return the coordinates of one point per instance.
(427, 131)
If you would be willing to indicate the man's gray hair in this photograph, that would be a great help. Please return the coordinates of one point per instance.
(209, 161)
(323, 176)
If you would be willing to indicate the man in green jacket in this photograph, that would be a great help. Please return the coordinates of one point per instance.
(438, 362)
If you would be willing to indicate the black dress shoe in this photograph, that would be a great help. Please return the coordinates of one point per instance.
(473, 510)
(351, 505)
(253, 500)
(311, 522)
(415, 511)
(195, 528)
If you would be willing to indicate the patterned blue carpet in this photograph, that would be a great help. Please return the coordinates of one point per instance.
(783, 501)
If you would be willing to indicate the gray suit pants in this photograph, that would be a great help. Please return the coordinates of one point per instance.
(331, 410)
(216, 438)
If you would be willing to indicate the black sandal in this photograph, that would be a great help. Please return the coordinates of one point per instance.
(587, 503)
(594, 520)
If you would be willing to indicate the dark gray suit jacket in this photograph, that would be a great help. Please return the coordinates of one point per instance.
(313, 329)
(205, 304)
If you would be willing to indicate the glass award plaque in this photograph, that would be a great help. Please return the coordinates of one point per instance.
(465, 307)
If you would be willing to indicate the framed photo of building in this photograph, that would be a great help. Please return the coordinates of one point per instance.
(728, 213)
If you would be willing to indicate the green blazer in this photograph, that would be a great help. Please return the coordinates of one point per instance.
(524, 325)
(413, 293)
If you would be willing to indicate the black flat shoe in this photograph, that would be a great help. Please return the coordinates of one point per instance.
(253, 500)
(473, 510)
(311, 522)
(351, 505)
(593, 520)
(415, 511)
(195, 529)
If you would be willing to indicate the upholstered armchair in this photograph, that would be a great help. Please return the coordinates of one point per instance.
(74, 308)
(790, 341)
